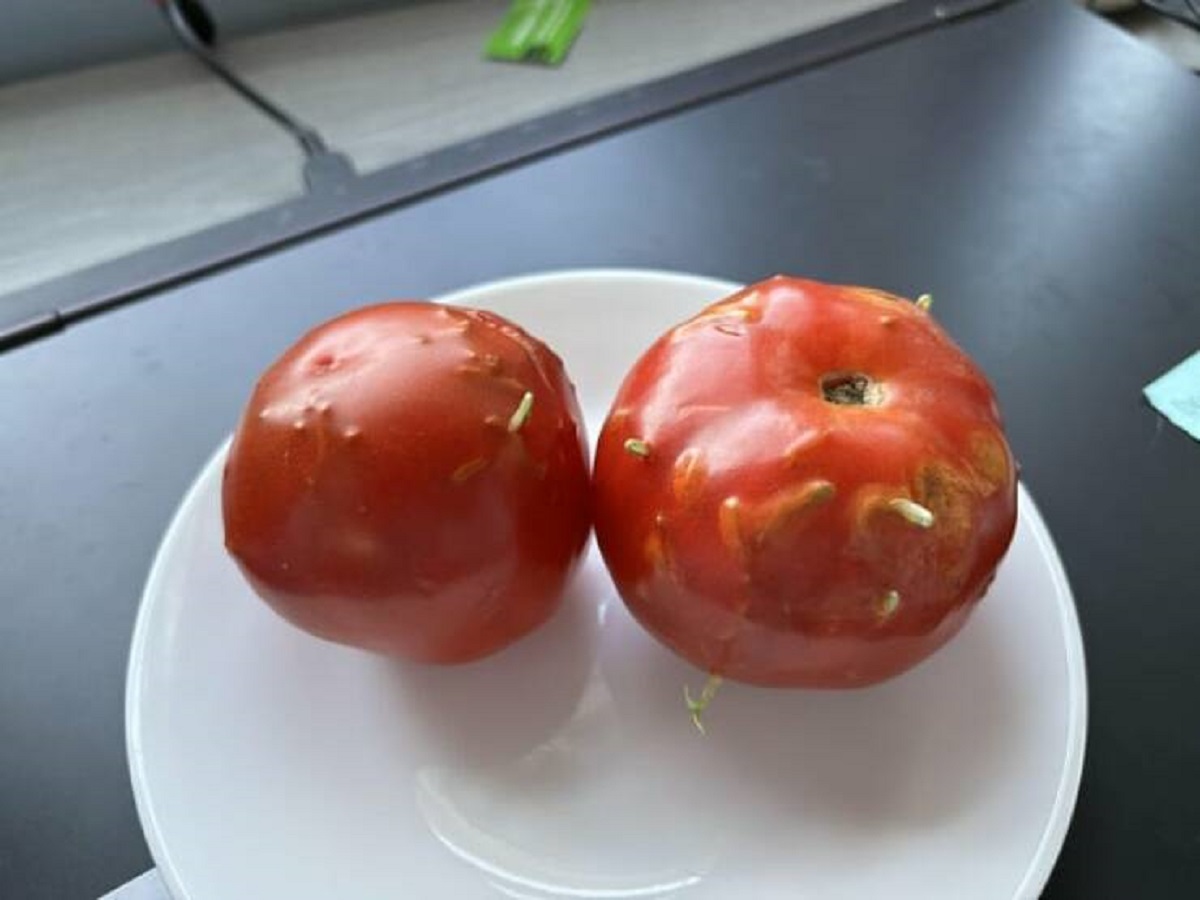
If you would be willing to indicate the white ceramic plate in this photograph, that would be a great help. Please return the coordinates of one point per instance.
(270, 765)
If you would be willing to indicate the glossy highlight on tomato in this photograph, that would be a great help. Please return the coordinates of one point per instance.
(804, 485)
(412, 479)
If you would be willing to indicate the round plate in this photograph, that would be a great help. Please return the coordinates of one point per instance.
(266, 763)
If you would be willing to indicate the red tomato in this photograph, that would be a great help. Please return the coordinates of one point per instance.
(412, 479)
(804, 485)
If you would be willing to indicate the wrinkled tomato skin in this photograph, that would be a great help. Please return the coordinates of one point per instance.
(378, 491)
(754, 529)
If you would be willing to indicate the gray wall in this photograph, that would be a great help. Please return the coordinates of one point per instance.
(38, 37)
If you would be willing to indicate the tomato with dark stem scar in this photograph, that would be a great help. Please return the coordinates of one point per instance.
(804, 485)
(412, 479)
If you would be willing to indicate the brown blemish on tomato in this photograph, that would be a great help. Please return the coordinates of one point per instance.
(881, 299)
(948, 494)
(729, 523)
(740, 307)
(619, 416)
(656, 554)
(725, 316)
(952, 496)
(497, 377)
(509, 381)
(786, 506)
(469, 468)
(989, 461)
(688, 475)
(794, 453)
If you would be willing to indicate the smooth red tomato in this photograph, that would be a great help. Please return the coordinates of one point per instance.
(804, 485)
(412, 479)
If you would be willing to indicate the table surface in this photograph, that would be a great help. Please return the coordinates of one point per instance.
(1033, 168)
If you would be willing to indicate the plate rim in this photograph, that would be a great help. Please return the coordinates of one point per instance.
(1054, 832)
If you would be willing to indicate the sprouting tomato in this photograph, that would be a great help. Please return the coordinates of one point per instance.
(411, 479)
(804, 485)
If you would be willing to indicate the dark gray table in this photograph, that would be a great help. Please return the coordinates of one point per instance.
(1032, 167)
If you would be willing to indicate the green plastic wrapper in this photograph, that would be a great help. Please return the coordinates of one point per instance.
(538, 31)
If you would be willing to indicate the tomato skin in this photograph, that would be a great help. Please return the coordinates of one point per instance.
(754, 530)
(375, 495)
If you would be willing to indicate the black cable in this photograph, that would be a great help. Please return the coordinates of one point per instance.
(196, 31)
(198, 19)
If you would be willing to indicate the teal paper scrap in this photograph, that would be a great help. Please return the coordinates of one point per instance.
(1176, 395)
